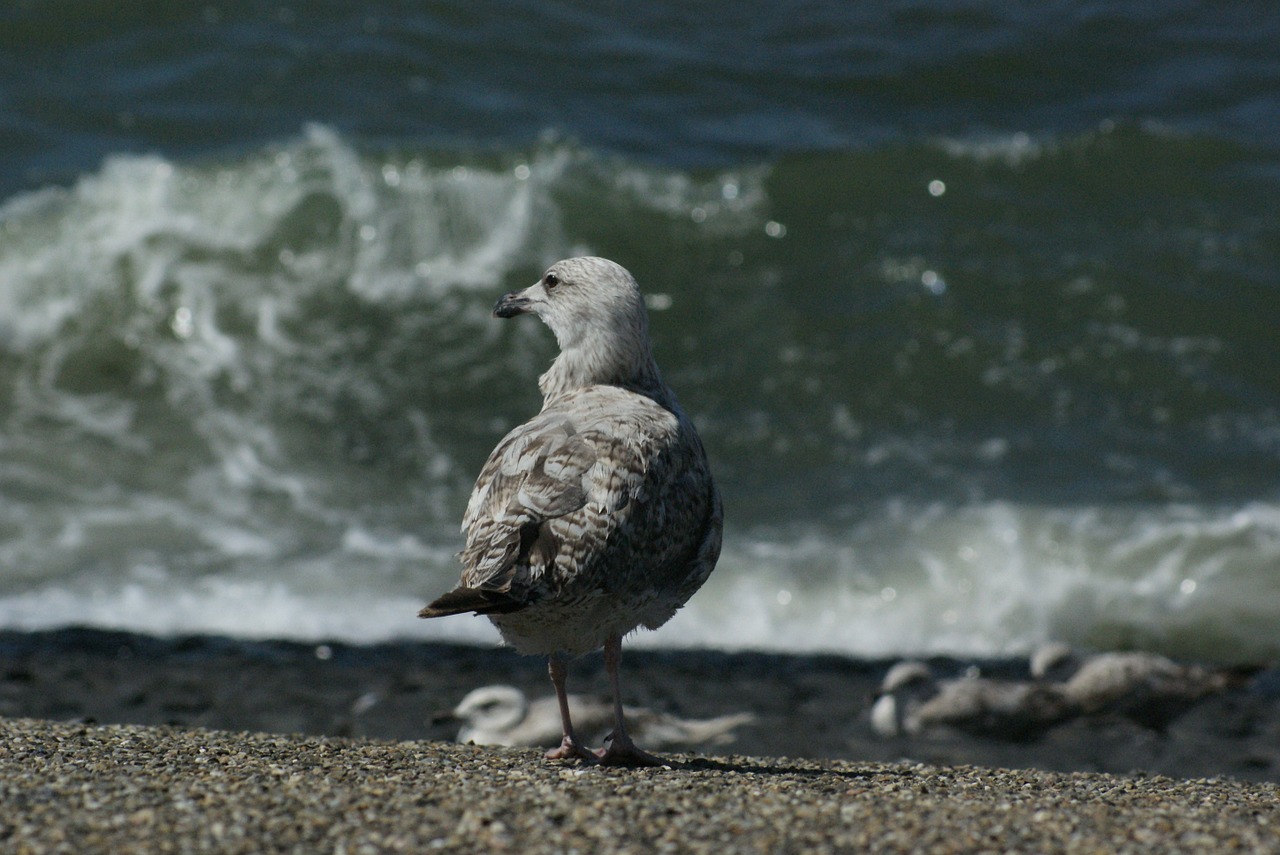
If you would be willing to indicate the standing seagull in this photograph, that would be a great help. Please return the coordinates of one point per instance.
(599, 514)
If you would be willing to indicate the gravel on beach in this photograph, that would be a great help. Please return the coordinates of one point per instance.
(125, 788)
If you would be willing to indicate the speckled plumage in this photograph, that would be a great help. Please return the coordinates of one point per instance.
(592, 517)
(598, 515)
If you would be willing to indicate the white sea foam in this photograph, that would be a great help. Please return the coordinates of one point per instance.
(992, 579)
(258, 610)
(1012, 149)
(997, 579)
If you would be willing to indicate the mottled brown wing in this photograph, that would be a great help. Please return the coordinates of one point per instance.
(536, 474)
(604, 490)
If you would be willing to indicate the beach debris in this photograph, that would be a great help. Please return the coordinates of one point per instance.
(1145, 688)
(504, 715)
(598, 515)
(912, 701)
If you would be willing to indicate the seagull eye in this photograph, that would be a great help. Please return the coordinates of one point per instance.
(551, 280)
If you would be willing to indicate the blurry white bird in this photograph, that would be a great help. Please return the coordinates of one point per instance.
(503, 715)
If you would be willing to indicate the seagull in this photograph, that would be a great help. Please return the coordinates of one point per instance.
(904, 687)
(503, 715)
(598, 515)
(1146, 688)
(911, 701)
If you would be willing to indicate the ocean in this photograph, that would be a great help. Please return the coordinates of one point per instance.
(976, 306)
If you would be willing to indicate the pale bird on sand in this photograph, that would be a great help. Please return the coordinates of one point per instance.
(504, 715)
(598, 515)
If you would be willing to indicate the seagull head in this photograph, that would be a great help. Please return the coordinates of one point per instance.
(1054, 662)
(597, 313)
(489, 711)
(581, 297)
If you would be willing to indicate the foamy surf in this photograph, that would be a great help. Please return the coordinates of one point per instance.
(991, 580)
(248, 395)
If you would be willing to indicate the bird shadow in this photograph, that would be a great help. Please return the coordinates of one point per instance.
(756, 766)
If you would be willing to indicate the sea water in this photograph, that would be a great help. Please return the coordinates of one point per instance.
(976, 309)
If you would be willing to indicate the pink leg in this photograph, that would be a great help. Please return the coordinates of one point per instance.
(621, 751)
(570, 747)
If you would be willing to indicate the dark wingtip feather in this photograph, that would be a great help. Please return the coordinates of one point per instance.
(463, 600)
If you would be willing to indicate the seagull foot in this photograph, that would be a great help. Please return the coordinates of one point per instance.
(569, 749)
(623, 752)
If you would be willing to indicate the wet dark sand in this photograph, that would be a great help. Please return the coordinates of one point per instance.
(807, 706)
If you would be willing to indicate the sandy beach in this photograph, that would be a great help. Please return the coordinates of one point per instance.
(81, 788)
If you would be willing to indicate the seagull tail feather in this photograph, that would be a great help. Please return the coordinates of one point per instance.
(477, 600)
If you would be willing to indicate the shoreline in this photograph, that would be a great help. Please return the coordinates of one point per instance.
(129, 788)
(807, 706)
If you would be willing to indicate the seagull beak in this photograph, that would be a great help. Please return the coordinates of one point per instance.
(515, 303)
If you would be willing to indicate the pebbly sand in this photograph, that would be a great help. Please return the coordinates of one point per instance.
(120, 789)
(193, 768)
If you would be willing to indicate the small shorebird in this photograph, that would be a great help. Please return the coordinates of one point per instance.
(911, 701)
(1145, 688)
(599, 514)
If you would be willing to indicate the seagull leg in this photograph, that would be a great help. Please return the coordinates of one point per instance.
(570, 747)
(621, 751)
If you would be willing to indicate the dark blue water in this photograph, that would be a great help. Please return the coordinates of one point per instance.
(975, 306)
(687, 86)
